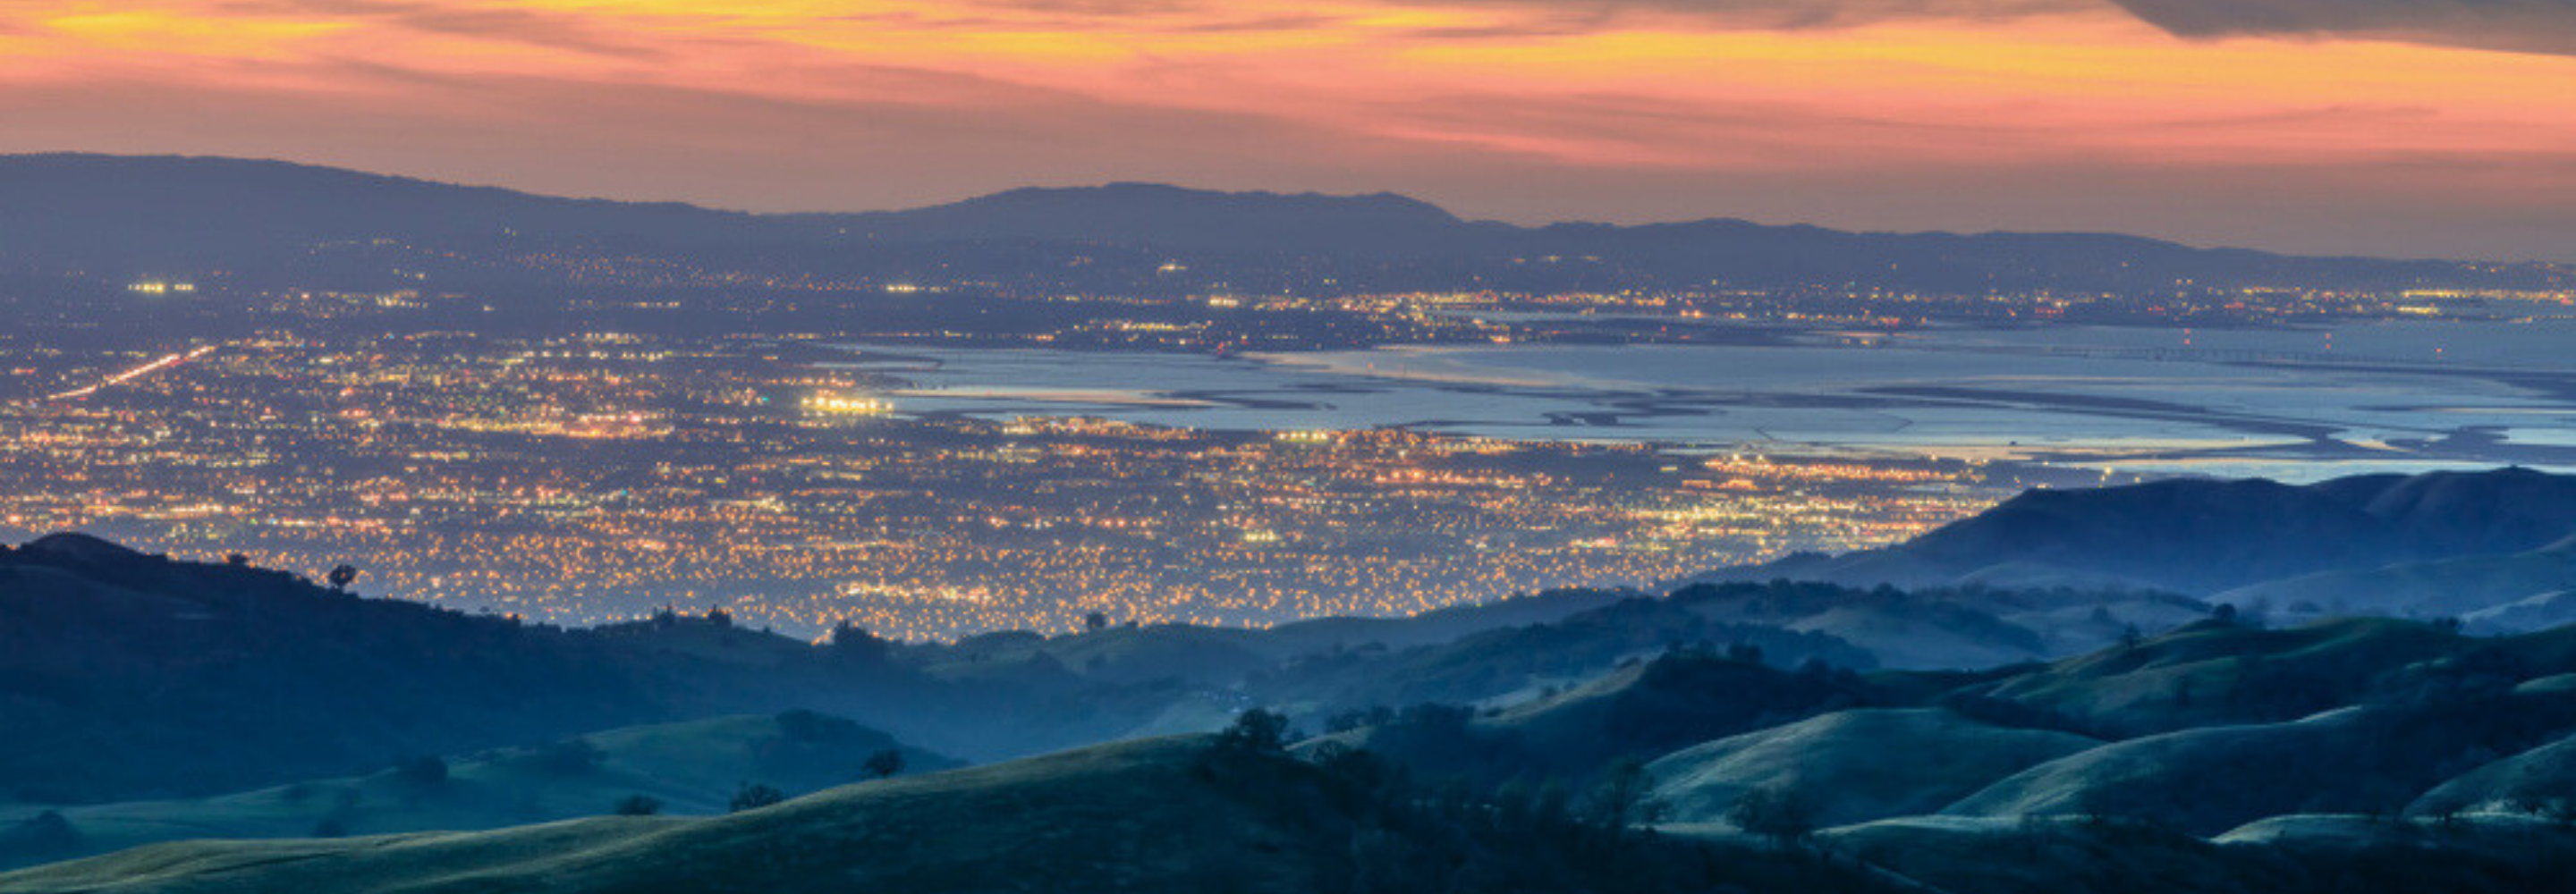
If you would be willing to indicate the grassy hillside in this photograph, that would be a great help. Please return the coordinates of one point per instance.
(1513, 661)
(1854, 766)
(1637, 713)
(2218, 673)
(2541, 782)
(684, 768)
(2474, 587)
(1960, 781)
(2366, 759)
(2298, 855)
(1178, 815)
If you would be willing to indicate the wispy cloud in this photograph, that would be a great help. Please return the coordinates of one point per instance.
(1961, 113)
(2547, 26)
(507, 24)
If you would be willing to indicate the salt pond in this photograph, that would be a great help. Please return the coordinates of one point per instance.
(2297, 404)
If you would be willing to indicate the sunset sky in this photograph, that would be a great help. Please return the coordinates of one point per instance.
(2415, 127)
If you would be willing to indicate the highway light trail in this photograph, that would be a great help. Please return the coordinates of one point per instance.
(164, 362)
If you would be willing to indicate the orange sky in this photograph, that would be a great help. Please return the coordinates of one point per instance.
(2432, 134)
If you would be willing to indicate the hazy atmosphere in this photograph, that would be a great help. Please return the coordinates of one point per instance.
(2439, 128)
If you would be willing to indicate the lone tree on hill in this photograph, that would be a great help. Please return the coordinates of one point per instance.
(341, 577)
(884, 763)
(1774, 813)
(753, 796)
(853, 643)
(638, 805)
(1256, 730)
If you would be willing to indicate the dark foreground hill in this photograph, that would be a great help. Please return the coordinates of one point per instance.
(1179, 815)
(1203, 814)
(691, 768)
(125, 675)
(2351, 755)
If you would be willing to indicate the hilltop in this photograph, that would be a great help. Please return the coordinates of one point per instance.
(2201, 537)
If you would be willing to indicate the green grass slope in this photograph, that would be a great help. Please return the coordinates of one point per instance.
(1163, 815)
(687, 767)
(1639, 712)
(2436, 589)
(2539, 781)
(1096, 819)
(2216, 673)
(2371, 759)
(1854, 766)
(2292, 855)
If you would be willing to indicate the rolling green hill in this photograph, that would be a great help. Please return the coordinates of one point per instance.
(1176, 815)
(1854, 766)
(684, 768)
(2498, 594)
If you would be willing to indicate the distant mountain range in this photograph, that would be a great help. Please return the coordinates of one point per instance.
(102, 213)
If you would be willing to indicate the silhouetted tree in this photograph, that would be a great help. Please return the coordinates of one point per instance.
(2560, 812)
(342, 576)
(853, 643)
(1774, 813)
(1622, 795)
(753, 796)
(884, 763)
(237, 560)
(1095, 621)
(638, 805)
(1256, 730)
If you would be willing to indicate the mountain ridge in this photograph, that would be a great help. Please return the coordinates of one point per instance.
(89, 211)
(2242, 532)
